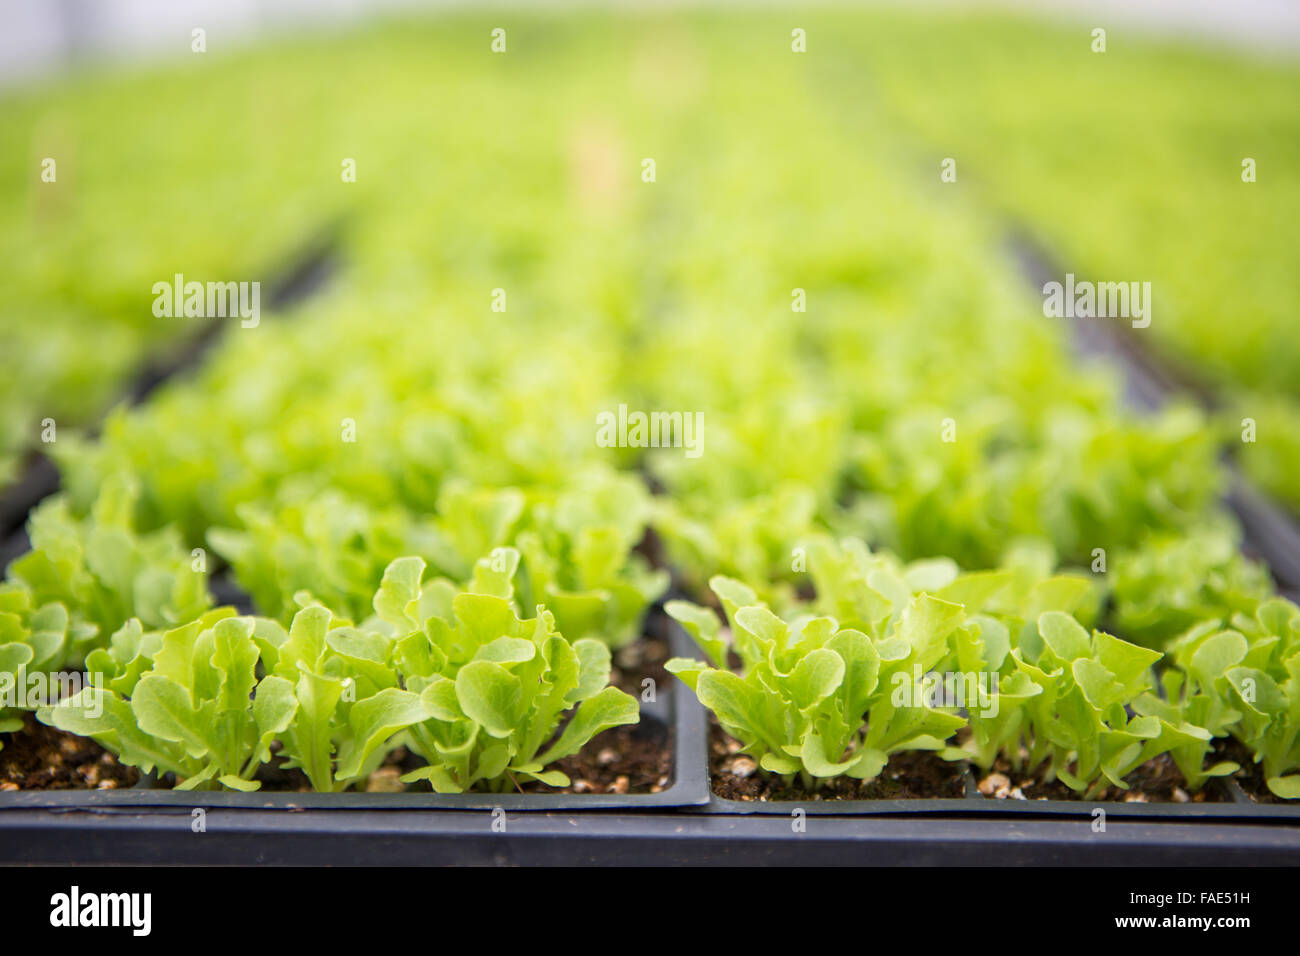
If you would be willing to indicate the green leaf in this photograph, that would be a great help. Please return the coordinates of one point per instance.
(814, 755)
(738, 705)
(372, 722)
(594, 664)
(552, 778)
(163, 709)
(687, 669)
(768, 629)
(308, 738)
(1288, 788)
(861, 674)
(733, 592)
(927, 623)
(306, 642)
(815, 678)
(398, 591)
(1065, 636)
(609, 708)
(1129, 663)
(703, 626)
(490, 695)
(441, 701)
(1216, 655)
(508, 650)
(235, 657)
(1098, 685)
(494, 574)
(274, 708)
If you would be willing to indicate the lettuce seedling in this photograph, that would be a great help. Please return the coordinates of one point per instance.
(1066, 697)
(84, 578)
(104, 571)
(578, 558)
(577, 548)
(496, 687)
(184, 701)
(868, 590)
(813, 698)
(470, 686)
(752, 539)
(1197, 692)
(33, 640)
(1265, 688)
(198, 711)
(1173, 583)
(351, 706)
(1241, 681)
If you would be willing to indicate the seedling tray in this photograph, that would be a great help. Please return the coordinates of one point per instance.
(123, 836)
(683, 825)
(1235, 805)
(675, 717)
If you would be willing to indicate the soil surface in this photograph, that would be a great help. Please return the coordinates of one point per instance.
(913, 775)
(644, 657)
(621, 760)
(631, 759)
(1156, 781)
(43, 758)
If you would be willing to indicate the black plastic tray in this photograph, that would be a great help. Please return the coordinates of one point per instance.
(438, 837)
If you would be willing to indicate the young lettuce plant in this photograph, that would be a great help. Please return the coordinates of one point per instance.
(1265, 688)
(1066, 697)
(197, 710)
(868, 591)
(813, 698)
(35, 643)
(173, 700)
(1241, 681)
(578, 558)
(577, 548)
(495, 687)
(104, 572)
(1197, 692)
(351, 706)
(1174, 582)
(751, 538)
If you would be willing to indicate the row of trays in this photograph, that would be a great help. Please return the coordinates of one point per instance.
(685, 821)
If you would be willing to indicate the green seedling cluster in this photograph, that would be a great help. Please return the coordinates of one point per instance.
(982, 667)
(1011, 99)
(469, 686)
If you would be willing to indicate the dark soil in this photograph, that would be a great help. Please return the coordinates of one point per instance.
(275, 778)
(913, 775)
(643, 658)
(622, 760)
(631, 759)
(43, 758)
(1156, 781)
